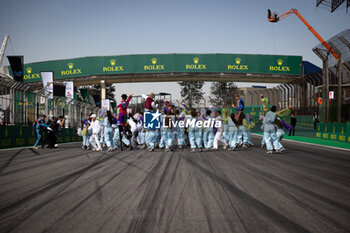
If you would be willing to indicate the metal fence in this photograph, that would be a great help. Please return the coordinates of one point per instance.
(18, 106)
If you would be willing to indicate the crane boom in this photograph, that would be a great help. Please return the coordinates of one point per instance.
(274, 18)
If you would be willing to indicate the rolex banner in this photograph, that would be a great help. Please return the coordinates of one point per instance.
(47, 78)
(16, 63)
(165, 63)
(69, 89)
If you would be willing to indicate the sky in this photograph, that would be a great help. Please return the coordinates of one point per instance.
(44, 30)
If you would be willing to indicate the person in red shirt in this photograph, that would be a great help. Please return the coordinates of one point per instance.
(123, 106)
(150, 105)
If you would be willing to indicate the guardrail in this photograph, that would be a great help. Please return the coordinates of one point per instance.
(334, 131)
(18, 136)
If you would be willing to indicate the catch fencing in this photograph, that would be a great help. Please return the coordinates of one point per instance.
(18, 106)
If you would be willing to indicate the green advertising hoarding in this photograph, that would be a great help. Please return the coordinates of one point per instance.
(15, 136)
(166, 63)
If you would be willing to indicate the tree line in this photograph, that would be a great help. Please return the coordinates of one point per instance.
(221, 93)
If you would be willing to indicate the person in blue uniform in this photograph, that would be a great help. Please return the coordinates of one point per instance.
(208, 134)
(39, 126)
(270, 131)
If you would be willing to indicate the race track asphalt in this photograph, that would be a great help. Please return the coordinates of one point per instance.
(63, 190)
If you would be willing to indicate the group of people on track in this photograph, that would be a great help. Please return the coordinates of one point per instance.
(230, 128)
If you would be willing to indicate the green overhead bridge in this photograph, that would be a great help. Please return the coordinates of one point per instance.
(168, 67)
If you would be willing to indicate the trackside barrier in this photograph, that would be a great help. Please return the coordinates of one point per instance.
(17, 136)
(302, 121)
(334, 131)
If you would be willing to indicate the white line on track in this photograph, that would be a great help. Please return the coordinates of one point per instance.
(308, 143)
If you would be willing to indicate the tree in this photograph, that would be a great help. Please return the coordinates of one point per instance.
(191, 92)
(222, 93)
(110, 89)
